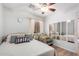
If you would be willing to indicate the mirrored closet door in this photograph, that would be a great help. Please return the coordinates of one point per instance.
(71, 31)
(64, 30)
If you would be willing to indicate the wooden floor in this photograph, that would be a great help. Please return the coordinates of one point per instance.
(62, 52)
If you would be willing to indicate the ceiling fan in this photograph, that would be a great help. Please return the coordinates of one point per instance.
(49, 7)
(44, 7)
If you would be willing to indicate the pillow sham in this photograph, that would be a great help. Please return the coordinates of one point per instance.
(26, 38)
(13, 38)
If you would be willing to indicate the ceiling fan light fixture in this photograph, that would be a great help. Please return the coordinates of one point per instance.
(44, 9)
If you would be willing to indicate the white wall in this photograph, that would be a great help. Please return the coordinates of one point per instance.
(11, 24)
(1, 22)
(58, 16)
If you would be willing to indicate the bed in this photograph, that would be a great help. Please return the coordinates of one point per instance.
(32, 48)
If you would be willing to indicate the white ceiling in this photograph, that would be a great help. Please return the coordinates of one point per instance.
(64, 7)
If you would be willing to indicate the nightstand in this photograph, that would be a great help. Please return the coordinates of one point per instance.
(50, 42)
(0, 41)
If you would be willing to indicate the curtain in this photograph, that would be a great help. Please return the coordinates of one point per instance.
(37, 27)
(31, 26)
(50, 27)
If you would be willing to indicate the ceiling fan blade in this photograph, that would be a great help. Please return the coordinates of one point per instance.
(53, 10)
(33, 7)
(51, 4)
(43, 4)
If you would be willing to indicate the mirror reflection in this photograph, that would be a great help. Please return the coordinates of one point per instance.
(63, 31)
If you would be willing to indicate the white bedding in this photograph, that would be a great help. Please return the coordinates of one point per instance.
(33, 48)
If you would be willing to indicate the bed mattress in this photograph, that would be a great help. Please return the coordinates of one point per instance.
(33, 48)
